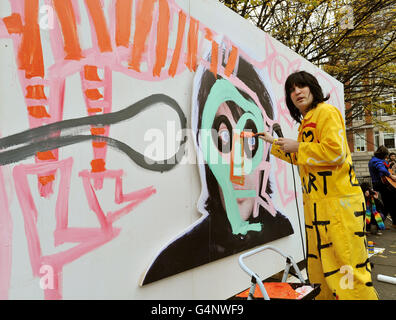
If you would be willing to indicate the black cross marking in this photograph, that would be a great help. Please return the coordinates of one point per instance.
(327, 274)
(360, 234)
(318, 223)
(364, 264)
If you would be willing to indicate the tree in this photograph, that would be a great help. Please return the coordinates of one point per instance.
(354, 41)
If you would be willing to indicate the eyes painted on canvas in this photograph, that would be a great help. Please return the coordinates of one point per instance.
(224, 124)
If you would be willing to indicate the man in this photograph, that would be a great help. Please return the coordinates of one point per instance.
(378, 172)
(392, 161)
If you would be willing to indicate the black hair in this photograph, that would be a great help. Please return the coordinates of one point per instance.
(303, 79)
(392, 154)
(365, 186)
(381, 152)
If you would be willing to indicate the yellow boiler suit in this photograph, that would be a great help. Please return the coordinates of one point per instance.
(334, 207)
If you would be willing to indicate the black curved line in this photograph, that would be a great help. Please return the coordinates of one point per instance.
(42, 138)
(24, 152)
(45, 132)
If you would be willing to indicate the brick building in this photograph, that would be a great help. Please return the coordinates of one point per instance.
(364, 137)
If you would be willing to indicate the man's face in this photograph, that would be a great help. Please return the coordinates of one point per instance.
(301, 97)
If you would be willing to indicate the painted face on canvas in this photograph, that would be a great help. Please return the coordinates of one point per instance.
(226, 114)
(230, 147)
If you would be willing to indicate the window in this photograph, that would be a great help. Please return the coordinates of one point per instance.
(360, 141)
(376, 140)
(389, 140)
(390, 103)
(358, 113)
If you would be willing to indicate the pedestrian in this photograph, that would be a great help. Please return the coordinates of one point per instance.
(374, 209)
(333, 200)
(383, 181)
(392, 161)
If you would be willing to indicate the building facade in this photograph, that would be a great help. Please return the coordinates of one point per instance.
(364, 137)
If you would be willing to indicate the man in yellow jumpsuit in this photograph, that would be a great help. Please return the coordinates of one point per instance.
(334, 205)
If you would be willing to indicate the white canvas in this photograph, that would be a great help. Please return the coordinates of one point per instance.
(88, 216)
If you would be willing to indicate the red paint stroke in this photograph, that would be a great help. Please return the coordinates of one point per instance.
(240, 179)
(93, 94)
(192, 45)
(30, 54)
(46, 179)
(310, 125)
(94, 110)
(99, 144)
(208, 34)
(97, 106)
(98, 131)
(162, 37)
(98, 165)
(229, 69)
(38, 112)
(13, 23)
(91, 73)
(214, 58)
(35, 92)
(67, 19)
(99, 21)
(142, 30)
(45, 184)
(46, 155)
(179, 41)
(123, 22)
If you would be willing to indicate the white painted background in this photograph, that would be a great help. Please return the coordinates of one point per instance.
(113, 271)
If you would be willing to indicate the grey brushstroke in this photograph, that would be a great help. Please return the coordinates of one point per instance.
(47, 137)
(24, 152)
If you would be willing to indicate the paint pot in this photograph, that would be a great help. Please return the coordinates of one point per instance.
(370, 245)
(387, 279)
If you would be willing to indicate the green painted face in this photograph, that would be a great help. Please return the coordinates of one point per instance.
(221, 166)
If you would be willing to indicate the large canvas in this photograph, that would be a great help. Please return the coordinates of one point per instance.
(124, 169)
(235, 201)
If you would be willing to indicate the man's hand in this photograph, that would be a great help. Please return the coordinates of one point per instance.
(288, 145)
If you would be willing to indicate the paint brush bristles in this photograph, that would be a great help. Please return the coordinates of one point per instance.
(246, 134)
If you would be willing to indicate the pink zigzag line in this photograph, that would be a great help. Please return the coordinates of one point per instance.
(134, 197)
(89, 238)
